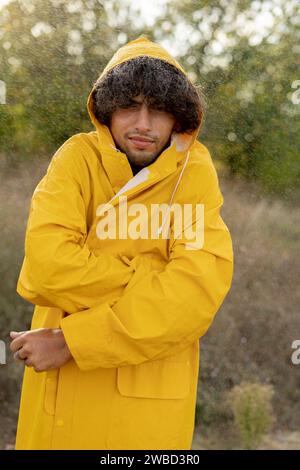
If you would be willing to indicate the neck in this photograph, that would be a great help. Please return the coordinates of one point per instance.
(135, 169)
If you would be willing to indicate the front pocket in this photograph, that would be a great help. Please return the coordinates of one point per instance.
(155, 379)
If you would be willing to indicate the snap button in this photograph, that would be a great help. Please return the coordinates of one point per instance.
(59, 422)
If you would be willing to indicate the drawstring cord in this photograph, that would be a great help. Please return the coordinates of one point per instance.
(160, 229)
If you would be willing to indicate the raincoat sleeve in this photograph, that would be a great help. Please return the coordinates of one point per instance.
(58, 269)
(165, 311)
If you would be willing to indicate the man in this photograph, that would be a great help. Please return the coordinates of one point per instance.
(112, 356)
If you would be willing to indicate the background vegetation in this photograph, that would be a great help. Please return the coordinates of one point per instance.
(245, 54)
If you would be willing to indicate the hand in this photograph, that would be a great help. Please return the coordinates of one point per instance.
(43, 348)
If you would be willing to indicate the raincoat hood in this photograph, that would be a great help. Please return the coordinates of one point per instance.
(141, 47)
(180, 144)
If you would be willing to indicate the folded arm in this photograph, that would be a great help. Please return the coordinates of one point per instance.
(58, 269)
(165, 310)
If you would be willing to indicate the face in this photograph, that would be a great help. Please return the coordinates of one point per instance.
(141, 132)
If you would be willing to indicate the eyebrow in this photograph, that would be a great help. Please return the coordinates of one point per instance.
(151, 106)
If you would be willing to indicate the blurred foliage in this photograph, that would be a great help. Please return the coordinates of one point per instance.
(61, 49)
(51, 52)
(250, 339)
(253, 117)
(252, 409)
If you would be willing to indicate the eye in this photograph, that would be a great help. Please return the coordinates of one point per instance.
(133, 104)
(158, 108)
(129, 105)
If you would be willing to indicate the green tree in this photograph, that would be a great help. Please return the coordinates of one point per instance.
(247, 70)
(51, 53)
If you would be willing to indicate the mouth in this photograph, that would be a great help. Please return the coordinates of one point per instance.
(141, 142)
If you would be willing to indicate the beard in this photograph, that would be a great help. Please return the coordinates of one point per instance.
(140, 159)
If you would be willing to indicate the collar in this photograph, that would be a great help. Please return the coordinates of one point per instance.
(117, 166)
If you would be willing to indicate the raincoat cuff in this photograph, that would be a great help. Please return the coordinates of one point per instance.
(87, 334)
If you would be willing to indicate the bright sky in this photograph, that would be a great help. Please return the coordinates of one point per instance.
(147, 6)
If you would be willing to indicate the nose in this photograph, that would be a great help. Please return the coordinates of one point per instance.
(143, 120)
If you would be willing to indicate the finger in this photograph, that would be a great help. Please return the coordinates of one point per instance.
(14, 334)
(17, 356)
(28, 362)
(21, 354)
(17, 343)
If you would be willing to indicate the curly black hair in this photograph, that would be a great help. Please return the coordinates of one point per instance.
(162, 84)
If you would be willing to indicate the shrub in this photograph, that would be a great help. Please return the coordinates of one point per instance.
(252, 409)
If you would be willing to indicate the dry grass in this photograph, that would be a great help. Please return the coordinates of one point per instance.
(252, 334)
(216, 440)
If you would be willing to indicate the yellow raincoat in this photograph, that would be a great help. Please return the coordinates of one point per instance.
(132, 310)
